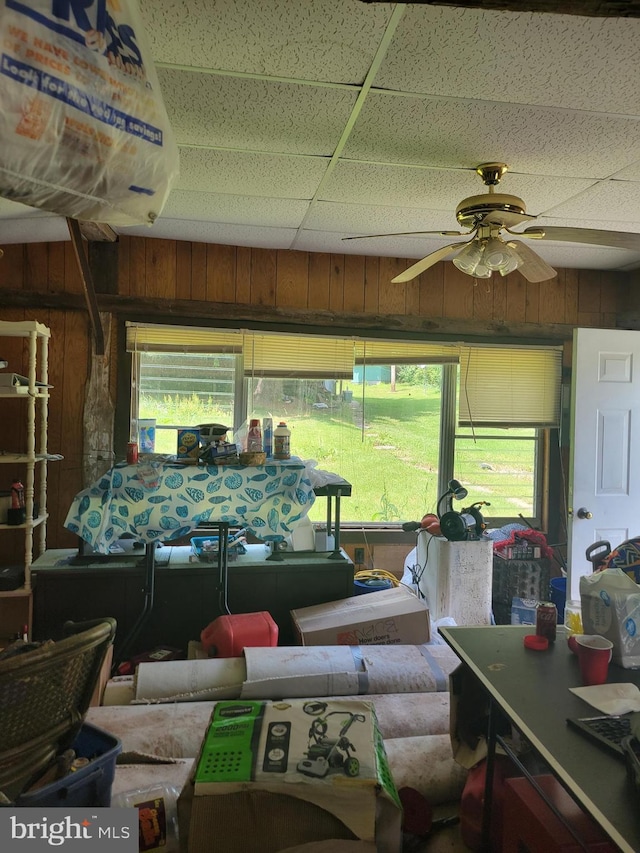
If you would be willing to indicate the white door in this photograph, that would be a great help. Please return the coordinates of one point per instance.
(604, 473)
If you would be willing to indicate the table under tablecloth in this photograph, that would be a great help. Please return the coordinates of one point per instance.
(164, 502)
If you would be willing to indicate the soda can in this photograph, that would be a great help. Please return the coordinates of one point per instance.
(546, 620)
(132, 453)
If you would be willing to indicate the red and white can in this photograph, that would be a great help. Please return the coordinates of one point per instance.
(546, 620)
(132, 453)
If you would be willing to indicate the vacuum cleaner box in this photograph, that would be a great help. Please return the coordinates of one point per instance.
(390, 617)
(273, 775)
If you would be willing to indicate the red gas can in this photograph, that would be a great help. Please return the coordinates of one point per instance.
(227, 636)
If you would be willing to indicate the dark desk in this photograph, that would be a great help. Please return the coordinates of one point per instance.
(186, 593)
(531, 689)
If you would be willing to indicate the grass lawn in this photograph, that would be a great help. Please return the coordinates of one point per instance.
(386, 446)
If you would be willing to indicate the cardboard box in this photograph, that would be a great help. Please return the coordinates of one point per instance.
(389, 617)
(523, 611)
(272, 775)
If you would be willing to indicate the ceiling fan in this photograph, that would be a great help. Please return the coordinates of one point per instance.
(488, 217)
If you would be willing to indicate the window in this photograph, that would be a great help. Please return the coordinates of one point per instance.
(382, 414)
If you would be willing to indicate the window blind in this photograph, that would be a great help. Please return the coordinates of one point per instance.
(404, 352)
(302, 356)
(507, 387)
(157, 338)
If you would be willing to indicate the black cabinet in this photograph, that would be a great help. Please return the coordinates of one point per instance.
(186, 595)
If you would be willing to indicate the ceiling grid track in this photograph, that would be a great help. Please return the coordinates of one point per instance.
(381, 52)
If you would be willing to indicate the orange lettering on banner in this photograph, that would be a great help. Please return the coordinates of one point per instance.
(50, 48)
(48, 61)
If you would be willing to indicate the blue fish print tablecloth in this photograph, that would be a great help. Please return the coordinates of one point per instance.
(167, 501)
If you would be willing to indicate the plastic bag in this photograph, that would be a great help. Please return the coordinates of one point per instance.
(157, 816)
(611, 608)
(83, 126)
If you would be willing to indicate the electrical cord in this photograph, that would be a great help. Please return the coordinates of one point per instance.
(376, 574)
(417, 571)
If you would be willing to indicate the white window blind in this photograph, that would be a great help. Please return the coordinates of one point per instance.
(507, 387)
(302, 356)
(404, 352)
(157, 338)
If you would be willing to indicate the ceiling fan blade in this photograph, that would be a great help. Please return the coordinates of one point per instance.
(410, 234)
(614, 239)
(427, 262)
(534, 268)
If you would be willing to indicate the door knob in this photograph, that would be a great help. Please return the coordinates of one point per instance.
(583, 512)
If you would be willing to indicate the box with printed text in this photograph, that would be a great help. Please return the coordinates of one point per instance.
(390, 617)
(273, 775)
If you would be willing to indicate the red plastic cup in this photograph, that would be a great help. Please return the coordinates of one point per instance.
(594, 654)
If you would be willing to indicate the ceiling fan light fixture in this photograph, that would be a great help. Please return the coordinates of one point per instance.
(500, 257)
(482, 271)
(468, 259)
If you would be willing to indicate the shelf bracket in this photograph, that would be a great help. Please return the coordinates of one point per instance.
(87, 284)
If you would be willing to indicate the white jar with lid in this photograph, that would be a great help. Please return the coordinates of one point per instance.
(282, 441)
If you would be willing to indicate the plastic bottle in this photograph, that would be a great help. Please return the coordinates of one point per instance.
(17, 494)
(254, 436)
(267, 436)
(282, 441)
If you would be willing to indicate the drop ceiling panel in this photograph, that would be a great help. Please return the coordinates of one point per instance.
(331, 40)
(10, 209)
(221, 233)
(283, 175)
(456, 132)
(439, 189)
(281, 146)
(395, 247)
(616, 201)
(227, 112)
(580, 63)
(234, 209)
(375, 219)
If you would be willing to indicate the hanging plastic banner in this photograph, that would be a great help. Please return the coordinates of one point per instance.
(83, 128)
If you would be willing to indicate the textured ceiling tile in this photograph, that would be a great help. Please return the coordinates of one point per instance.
(211, 232)
(11, 209)
(611, 200)
(35, 229)
(369, 219)
(394, 247)
(327, 40)
(590, 64)
(459, 133)
(250, 173)
(227, 112)
(439, 189)
(631, 173)
(234, 209)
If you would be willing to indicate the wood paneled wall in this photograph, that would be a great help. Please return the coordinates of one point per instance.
(357, 285)
(196, 281)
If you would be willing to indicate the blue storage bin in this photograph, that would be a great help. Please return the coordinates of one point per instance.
(89, 786)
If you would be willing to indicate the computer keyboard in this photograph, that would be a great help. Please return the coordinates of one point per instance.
(617, 734)
(605, 731)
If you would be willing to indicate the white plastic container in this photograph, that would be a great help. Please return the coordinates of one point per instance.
(282, 441)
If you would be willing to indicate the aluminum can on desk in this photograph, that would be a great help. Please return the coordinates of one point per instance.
(546, 620)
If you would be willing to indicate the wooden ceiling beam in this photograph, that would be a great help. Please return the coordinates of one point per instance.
(87, 284)
(97, 232)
